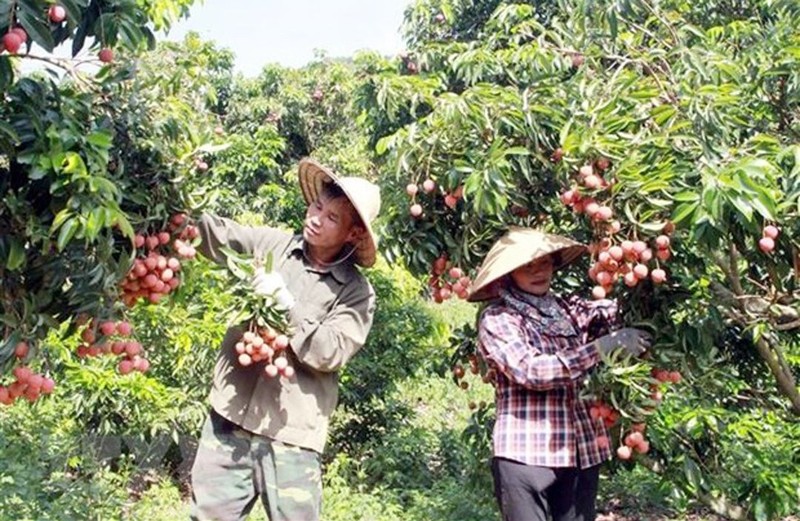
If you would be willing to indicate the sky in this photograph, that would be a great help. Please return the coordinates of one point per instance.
(287, 32)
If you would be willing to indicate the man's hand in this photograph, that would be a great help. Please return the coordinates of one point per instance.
(272, 285)
(634, 341)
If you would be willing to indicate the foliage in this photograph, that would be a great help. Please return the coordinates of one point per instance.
(112, 23)
(49, 471)
(418, 465)
(687, 125)
(86, 163)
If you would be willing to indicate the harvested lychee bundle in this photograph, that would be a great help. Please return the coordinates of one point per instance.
(265, 345)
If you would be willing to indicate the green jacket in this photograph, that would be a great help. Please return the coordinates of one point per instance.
(331, 319)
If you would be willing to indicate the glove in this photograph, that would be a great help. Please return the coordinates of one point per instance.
(272, 285)
(634, 341)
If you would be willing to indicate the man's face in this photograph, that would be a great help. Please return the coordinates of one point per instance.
(329, 223)
(535, 276)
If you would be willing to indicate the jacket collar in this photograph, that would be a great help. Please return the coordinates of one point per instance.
(342, 270)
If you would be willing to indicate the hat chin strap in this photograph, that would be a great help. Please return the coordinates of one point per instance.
(336, 262)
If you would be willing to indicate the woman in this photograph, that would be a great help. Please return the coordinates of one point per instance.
(541, 346)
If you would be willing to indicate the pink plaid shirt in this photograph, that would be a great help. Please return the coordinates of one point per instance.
(540, 418)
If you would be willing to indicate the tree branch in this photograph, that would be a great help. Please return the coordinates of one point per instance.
(788, 326)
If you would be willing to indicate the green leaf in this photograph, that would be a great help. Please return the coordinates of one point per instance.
(16, 255)
(94, 223)
(693, 473)
(683, 212)
(741, 205)
(6, 72)
(686, 196)
(61, 216)
(73, 164)
(100, 139)
(116, 217)
(33, 20)
(8, 131)
(516, 151)
(210, 148)
(67, 232)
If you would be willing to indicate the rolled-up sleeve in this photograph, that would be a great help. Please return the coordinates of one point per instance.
(218, 232)
(327, 344)
(518, 352)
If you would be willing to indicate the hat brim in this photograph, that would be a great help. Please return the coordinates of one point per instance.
(311, 176)
(508, 254)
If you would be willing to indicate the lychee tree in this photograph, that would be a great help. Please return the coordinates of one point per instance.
(664, 134)
(96, 171)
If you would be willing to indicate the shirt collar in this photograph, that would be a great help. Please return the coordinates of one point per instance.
(543, 312)
(342, 271)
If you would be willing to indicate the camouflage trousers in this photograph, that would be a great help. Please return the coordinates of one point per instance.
(234, 467)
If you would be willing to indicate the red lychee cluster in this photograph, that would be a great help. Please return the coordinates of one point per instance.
(663, 378)
(631, 260)
(446, 282)
(602, 412)
(200, 164)
(768, 236)
(634, 442)
(429, 186)
(27, 384)
(590, 179)
(115, 340)
(408, 63)
(459, 373)
(476, 368)
(265, 345)
(451, 199)
(154, 273)
(13, 40)
(627, 260)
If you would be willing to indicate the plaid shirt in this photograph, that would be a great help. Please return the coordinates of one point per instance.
(540, 418)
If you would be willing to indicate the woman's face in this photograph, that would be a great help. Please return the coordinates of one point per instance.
(535, 276)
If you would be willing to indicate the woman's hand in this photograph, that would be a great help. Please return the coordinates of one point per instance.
(634, 341)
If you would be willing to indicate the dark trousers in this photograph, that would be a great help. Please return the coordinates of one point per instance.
(528, 493)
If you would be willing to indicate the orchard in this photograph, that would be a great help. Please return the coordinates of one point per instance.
(664, 135)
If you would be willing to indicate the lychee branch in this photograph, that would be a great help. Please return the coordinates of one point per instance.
(70, 65)
(769, 350)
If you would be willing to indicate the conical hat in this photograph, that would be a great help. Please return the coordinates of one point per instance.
(363, 195)
(516, 248)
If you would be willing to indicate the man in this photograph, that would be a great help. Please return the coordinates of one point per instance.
(264, 436)
(547, 449)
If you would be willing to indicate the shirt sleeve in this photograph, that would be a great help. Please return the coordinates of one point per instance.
(217, 232)
(594, 317)
(517, 352)
(326, 345)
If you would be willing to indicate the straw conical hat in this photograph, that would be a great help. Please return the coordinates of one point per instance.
(363, 195)
(516, 248)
